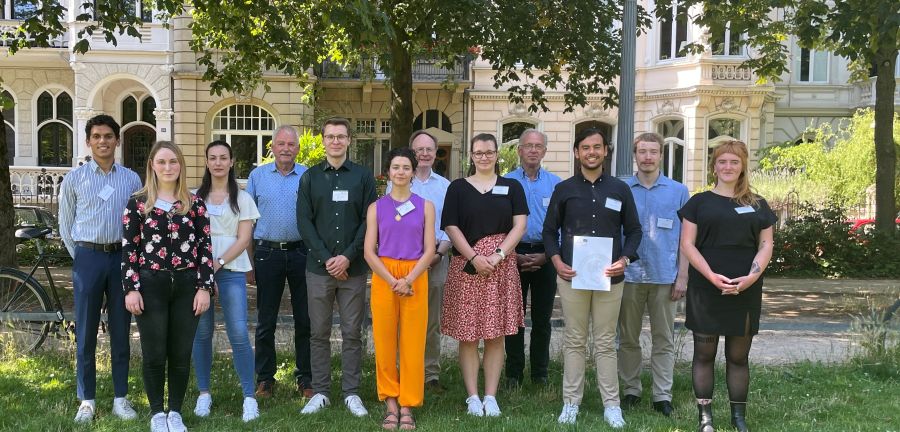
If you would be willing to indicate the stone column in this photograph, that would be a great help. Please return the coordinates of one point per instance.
(163, 123)
(79, 146)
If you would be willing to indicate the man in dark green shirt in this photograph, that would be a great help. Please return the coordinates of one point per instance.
(331, 214)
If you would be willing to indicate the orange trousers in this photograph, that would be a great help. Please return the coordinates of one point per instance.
(398, 328)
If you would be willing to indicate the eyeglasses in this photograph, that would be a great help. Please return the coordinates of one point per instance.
(532, 146)
(424, 150)
(335, 137)
(482, 155)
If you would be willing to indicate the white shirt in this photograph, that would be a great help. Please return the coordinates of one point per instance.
(224, 223)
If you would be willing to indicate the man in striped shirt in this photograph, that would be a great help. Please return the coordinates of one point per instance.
(92, 201)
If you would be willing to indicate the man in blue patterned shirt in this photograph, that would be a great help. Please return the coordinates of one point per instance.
(279, 254)
(92, 200)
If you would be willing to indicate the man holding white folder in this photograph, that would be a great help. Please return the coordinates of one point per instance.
(587, 217)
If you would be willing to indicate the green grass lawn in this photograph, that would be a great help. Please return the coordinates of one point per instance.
(37, 393)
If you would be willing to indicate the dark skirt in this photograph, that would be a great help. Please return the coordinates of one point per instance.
(710, 312)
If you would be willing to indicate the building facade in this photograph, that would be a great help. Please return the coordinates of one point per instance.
(153, 87)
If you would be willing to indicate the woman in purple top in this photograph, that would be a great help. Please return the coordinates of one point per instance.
(399, 228)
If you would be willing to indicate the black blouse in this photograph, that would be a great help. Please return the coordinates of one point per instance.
(166, 240)
(721, 222)
(479, 215)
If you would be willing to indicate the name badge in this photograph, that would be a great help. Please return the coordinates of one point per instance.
(664, 223)
(106, 192)
(745, 209)
(500, 190)
(613, 204)
(405, 208)
(163, 205)
(340, 195)
(215, 210)
(547, 202)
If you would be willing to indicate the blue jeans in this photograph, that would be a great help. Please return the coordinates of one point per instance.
(96, 275)
(233, 299)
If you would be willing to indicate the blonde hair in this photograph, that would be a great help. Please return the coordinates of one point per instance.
(743, 194)
(150, 191)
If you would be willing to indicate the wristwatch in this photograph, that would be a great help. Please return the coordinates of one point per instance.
(500, 252)
(627, 261)
(221, 261)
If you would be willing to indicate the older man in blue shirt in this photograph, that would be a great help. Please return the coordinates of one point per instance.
(537, 274)
(92, 199)
(279, 254)
(655, 282)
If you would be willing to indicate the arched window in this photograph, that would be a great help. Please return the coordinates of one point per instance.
(719, 131)
(433, 119)
(54, 115)
(9, 126)
(148, 105)
(129, 110)
(672, 132)
(133, 111)
(248, 128)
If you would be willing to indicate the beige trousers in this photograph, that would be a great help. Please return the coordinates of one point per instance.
(436, 278)
(600, 310)
(656, 299)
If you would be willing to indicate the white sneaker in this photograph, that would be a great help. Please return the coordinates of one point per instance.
(355, 405)
(569, 414)
(204, 403)
(316, 404)
(476, 408)
(613, 417)
(251, 409)
(85, 412)
(158, 423)
(175, 423)
(491, 409)
(123, 409)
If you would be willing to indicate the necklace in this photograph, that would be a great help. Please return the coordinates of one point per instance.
(397, 206)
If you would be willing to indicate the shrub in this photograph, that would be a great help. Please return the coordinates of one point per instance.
(819, 244)
(27, 254)
(312, 150)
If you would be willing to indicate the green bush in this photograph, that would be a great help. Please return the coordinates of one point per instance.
(312, 150)
(820, 244)
(27, 254)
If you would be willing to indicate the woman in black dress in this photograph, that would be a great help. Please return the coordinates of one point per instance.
(727, 236)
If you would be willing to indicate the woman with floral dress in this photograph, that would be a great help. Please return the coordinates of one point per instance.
(167, 273)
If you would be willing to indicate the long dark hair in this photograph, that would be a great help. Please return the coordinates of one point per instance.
(206, 184)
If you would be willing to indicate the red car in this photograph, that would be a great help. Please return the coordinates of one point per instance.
(866, 225)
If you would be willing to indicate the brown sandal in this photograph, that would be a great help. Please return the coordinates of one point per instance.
(387, 423)
(409, 423)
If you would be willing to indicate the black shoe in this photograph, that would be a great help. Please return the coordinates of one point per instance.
(738, 416)
(664, 407)
(630, 401)
(540, 381)
(513, 383)
(706, 419)
(435, 386)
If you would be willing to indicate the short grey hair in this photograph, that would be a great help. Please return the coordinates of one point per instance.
(286, 128)
(528, 131)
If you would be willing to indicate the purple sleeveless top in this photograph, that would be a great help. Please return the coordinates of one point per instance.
(400, 239)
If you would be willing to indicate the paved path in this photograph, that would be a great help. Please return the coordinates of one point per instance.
(803, 319)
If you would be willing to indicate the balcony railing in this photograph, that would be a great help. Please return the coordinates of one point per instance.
(30, 183)
(11, 26)
(423, 70)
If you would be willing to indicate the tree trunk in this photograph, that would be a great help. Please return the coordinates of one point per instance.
(401, 95)
(885, 147)
(7, 214)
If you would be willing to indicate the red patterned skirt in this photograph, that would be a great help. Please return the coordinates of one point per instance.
(479, 307)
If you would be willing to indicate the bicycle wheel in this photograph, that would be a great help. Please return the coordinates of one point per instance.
(21, 295)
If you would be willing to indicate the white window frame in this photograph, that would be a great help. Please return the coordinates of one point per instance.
(227, 134)
(812, 66)
(726, 44)
(673, 49)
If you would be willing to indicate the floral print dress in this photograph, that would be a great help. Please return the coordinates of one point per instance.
(166, 240)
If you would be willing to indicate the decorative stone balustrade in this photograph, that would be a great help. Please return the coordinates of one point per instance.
(31, 181)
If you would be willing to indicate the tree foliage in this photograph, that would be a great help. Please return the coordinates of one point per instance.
(866, 32)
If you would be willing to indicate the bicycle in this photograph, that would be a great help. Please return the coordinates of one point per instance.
(26, 311)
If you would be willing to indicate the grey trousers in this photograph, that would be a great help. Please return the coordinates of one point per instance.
(436, 278)
(656, 299)
(351, 298)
